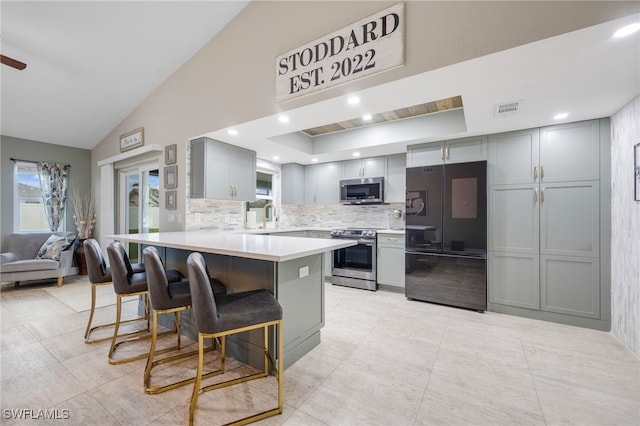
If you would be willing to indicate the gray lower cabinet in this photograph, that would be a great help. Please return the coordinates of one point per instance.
(310, 233)
(390, 258)
(544, 247)
(514, 279)
(545, 221)
(570, 285)
(222, 171)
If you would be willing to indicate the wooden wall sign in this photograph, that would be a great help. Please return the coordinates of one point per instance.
(369, 46)
(131, 140)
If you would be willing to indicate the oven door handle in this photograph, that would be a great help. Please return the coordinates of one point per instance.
(365, 243)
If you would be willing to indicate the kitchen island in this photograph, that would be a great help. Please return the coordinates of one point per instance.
(290, 268)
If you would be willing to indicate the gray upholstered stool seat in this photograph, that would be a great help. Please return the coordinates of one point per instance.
(239, 310)
(127, 282)
(220, 316)
(168, 297)
(100, 274)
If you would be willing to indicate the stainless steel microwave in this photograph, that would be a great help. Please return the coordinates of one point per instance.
(362, 191)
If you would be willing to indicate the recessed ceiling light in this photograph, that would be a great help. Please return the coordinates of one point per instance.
(275, 157)
(627, 30)
(561, 116)
(356, 154)
(232, 132)
(367, 117)
(283, 119)
(314, 160)
(353, 100)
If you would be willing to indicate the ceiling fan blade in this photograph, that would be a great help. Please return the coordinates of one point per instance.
(12, 62)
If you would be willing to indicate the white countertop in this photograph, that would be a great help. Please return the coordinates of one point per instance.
(252, 246)
(299, 229)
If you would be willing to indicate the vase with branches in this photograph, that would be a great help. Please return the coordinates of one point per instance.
(84, 213)
(84, 216)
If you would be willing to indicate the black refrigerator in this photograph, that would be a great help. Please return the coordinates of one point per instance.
(446, 235)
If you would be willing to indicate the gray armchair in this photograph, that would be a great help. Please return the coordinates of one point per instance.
(20, 262)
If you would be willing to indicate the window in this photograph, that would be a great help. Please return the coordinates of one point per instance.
(29, 214)
(267, 189)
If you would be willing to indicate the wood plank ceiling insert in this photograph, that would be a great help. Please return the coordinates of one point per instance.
(383, 117)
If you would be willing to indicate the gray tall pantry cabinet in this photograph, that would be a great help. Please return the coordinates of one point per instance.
(548, 226)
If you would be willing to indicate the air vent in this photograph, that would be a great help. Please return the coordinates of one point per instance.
(506, 109)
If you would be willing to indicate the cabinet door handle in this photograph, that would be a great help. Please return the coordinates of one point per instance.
(535, 172)
(541, 172)
(231, 190)
(535, 195)
(442, 153)
(446, 153)
(542, 195)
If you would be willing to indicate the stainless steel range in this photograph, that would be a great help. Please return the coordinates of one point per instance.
(355, 266)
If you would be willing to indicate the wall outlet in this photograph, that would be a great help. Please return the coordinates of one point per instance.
(303, 272)
(171, 218)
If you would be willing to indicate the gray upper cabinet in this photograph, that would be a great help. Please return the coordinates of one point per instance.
(454, 151)
(562, 153)
(322, 183)
(222, 171)
(514, 157)
(367, 167)
(292, 178)
(395, 179)
(570, 152)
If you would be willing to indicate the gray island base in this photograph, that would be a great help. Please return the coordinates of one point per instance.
(291, 269)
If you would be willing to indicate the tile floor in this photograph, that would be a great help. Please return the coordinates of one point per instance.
(383, 361)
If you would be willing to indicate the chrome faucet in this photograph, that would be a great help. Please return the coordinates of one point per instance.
(264, 215)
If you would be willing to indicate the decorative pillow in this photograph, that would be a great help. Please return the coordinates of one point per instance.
(54, 245)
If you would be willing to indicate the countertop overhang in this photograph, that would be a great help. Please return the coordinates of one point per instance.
(252, 246)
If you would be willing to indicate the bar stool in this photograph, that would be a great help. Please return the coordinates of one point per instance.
(169, 297)
(100, 275)
(126, 283)
(220, 316)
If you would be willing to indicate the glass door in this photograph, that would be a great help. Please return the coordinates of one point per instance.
(139, 196)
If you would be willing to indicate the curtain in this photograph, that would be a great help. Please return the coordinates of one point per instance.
(53, 184)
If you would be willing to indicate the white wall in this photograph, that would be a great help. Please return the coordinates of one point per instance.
(231, 80)
(625, 228)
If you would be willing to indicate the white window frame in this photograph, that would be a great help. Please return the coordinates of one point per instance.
(274, 170)
(17, 199)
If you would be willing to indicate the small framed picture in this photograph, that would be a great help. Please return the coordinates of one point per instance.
(636, 172)
(170, 200)
(170, 154)
(171, 177)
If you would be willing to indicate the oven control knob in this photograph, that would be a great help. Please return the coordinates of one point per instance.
(370, 233)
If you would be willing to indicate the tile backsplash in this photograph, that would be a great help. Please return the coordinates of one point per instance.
(339, 216)
(204, 214)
